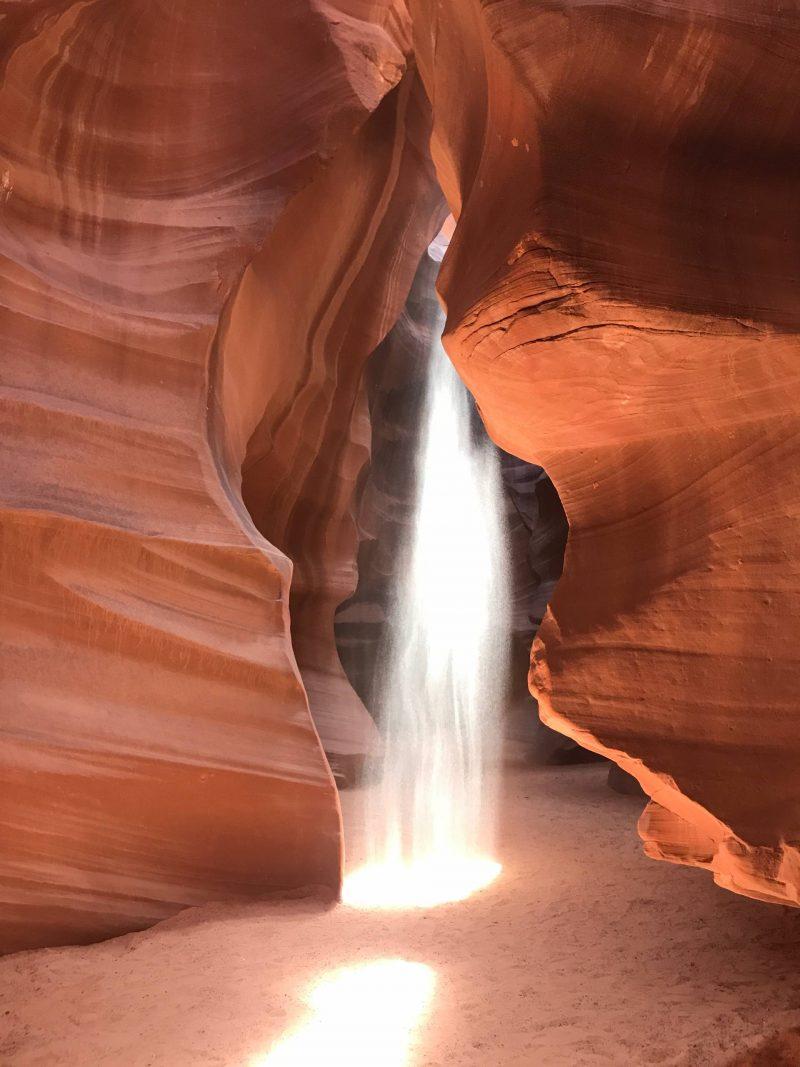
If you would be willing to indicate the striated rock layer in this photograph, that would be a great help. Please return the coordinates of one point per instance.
(156, 748)
(311, 307)
(622, 298)
(212, 212)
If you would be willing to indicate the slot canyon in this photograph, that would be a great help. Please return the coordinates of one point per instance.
(399, 474)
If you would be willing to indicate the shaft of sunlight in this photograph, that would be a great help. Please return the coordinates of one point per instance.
(360, 1016)
(430, 819)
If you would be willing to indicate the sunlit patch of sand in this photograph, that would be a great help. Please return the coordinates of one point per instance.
(361, 1016)
(423, 884)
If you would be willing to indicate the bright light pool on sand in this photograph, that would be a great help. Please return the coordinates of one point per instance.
(424, 884)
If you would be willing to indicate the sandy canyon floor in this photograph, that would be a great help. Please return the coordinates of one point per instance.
(583, 952)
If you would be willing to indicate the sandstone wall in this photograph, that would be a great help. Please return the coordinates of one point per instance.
(622, 299)
(156, 748)
(211, 215)
(311, 307)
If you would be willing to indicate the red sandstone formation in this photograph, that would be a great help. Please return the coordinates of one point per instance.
(156, 746)
(311, 307)
(781, 1050)
(622, 299)
(211, 215)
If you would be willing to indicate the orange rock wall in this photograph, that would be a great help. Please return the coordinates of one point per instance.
(311, 307)
(156, 748)
(622, 299)
(211, 215)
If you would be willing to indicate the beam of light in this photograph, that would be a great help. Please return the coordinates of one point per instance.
(430, 820)
(361, 1016)
(424, 884)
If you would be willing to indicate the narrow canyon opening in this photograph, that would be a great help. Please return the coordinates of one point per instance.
(460, 547)
(364, 692)
(533, 521)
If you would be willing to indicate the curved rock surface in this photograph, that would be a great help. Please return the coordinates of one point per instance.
(622, 299)
(156, 745)
(212, 212)
(311, 307)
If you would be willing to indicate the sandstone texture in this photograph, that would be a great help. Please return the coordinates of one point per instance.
(584, 954)
(622, 299)
(156, 747)
(312, 305)
(212, 214)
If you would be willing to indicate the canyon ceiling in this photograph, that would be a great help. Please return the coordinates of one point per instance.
(213, 211)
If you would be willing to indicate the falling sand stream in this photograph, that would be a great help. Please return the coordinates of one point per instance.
(430, 818)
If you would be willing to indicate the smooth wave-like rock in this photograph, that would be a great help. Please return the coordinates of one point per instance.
(312, 305)
(211, 215)
(622, 299)
(156, 747)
